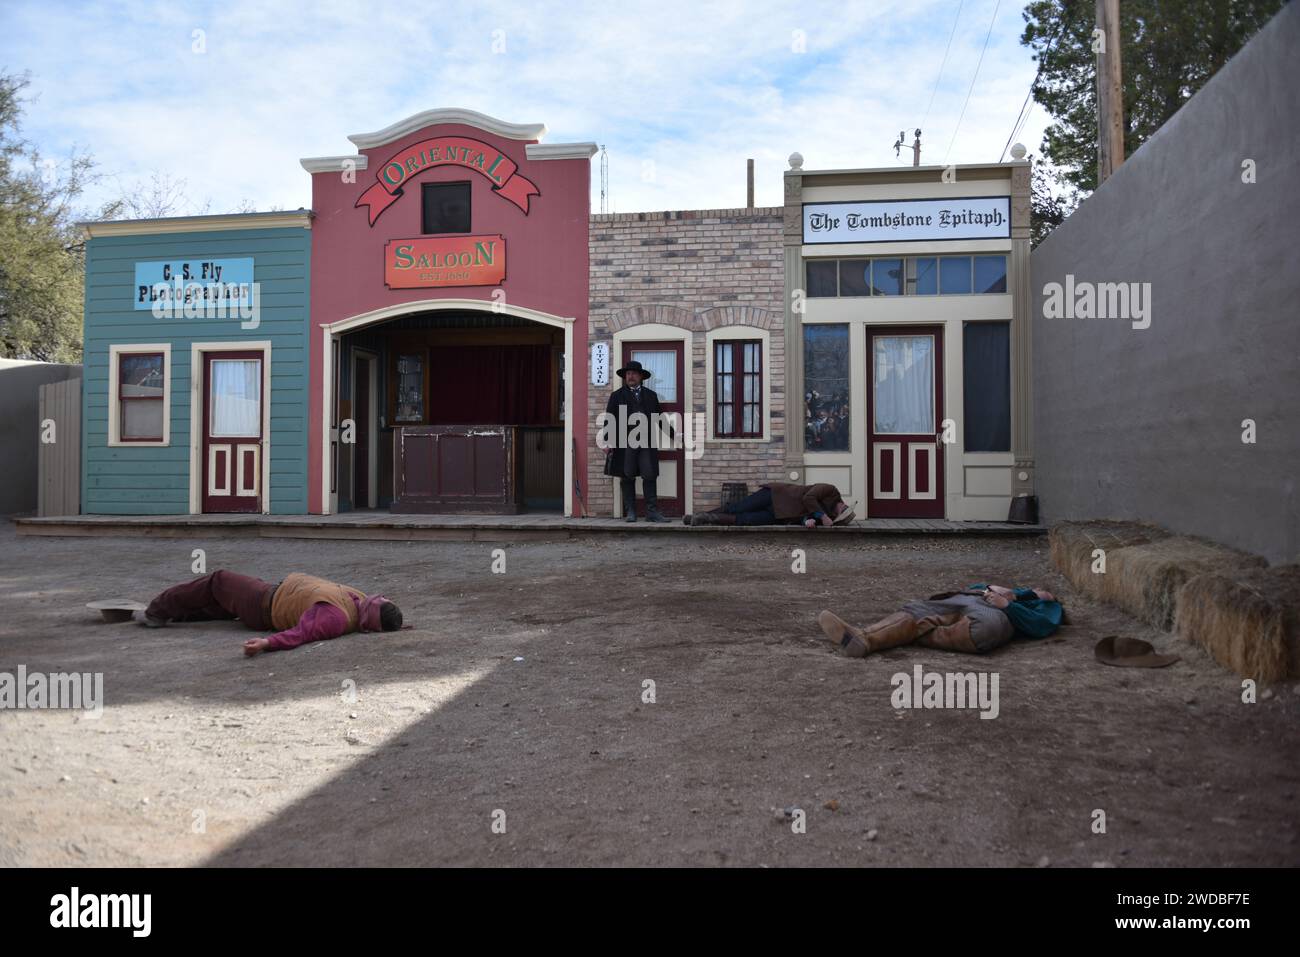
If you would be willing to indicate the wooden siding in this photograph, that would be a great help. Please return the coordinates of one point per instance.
(155, 481)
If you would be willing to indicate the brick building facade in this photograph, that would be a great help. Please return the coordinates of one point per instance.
(696, 278)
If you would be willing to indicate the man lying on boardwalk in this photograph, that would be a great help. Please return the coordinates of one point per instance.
(781, 503)
(977, 620)
(302, 608)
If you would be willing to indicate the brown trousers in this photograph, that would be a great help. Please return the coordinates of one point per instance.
(219, 596)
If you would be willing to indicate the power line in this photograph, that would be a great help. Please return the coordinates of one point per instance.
(1026, 108)
(978, 64)
(944, 63)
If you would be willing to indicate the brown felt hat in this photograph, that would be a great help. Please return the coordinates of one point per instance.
(1130, 653)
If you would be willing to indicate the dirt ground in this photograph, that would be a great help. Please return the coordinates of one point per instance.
(519, 699)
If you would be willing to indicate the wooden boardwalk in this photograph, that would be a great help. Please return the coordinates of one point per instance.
(385, 526)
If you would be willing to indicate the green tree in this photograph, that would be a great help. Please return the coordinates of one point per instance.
(1169, 49)
(42, 251)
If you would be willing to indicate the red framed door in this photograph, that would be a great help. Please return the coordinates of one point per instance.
(904, 411)
(665, 362)
(232, 431)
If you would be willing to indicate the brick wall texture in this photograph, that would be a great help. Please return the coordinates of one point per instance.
(697, 270)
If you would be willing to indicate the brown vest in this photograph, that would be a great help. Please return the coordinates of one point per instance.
(299, 592)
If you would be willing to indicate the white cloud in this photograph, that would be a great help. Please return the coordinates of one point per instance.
(692, 89)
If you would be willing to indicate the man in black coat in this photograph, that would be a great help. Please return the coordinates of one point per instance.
(635, 446)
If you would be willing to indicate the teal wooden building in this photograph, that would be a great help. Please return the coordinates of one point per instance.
(195, 390)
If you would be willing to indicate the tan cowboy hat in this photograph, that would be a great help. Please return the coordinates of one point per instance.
(1130, 653)
(115, 610)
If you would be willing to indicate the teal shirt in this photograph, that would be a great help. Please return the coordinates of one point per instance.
(1031, 616)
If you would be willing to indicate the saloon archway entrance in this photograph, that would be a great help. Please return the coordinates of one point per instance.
(448, 406)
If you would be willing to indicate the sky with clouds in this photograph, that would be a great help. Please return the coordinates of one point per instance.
(679, 93)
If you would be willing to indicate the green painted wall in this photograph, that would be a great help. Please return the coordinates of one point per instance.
(155, 480)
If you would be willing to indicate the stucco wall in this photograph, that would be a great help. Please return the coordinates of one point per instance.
(1147, 423)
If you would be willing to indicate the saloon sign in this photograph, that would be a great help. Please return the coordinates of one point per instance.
(449, 261)
(471, 154)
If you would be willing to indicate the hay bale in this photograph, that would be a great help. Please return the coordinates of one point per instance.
(1071, 546)
(1249, 622)
(1145, 579)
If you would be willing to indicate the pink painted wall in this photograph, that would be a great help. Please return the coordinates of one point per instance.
(546, 257)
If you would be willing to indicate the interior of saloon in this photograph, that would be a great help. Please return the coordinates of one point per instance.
(449, 412)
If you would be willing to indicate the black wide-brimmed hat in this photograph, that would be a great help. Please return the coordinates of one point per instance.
(633, 366)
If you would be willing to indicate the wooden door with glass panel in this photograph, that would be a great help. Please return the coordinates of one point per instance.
(664, 362)
(905, 409)
(232, 431)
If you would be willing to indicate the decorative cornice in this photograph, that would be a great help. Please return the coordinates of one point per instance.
(300, 218)
(513, 131)
(560, 151)
(334, 164)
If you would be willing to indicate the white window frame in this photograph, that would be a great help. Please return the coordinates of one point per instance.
(115, 353)
(730, 334)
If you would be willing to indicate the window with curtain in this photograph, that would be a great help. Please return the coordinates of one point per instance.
(986, 386)
(662, 366)
(235, 406)
(738, 388)
(826, 387)
(140, 390)
(903, 384)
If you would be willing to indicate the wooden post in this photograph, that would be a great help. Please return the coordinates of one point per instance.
(749, 194)
(1110, 92)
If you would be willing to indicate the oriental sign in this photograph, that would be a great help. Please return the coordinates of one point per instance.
(445, 261)
(471, 154)
(908, 220)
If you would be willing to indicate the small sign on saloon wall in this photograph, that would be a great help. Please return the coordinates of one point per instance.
(445, 261)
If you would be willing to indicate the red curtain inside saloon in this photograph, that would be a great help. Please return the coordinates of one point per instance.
(490, 385)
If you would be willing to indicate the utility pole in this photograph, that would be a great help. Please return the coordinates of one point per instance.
(1110, 92)
(916, 149)
(749, 191)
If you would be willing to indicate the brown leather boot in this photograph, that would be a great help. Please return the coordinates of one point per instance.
(897, 629)
(843, 636)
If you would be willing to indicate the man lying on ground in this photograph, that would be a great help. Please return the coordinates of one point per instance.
(302, 607)
(782, 503)
(975, 621)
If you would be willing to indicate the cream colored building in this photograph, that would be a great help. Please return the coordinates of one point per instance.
(907, 335)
